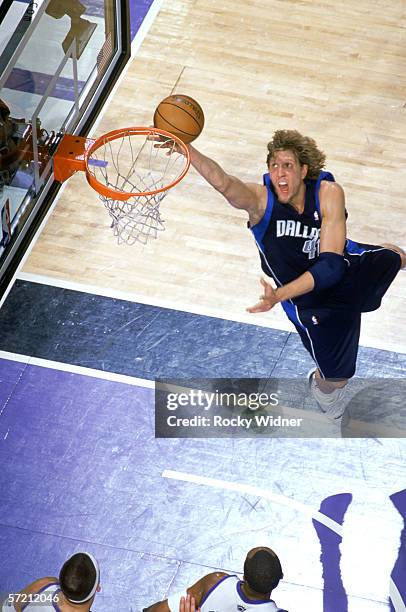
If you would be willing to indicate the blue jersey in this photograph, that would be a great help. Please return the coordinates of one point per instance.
(289, 241)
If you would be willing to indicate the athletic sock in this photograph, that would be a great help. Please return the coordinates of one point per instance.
(331, 403)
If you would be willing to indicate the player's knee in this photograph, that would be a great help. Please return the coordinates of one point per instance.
(402, 256)
(399, 250)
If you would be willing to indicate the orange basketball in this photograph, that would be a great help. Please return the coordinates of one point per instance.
(181, 116)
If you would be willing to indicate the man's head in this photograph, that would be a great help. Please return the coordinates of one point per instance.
(79, 578)
(262, 570)
(292, 157)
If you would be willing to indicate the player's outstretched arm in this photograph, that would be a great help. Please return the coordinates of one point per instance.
(246, 196)
(271, 296)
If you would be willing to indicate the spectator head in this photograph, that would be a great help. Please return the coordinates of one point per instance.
(79, 578)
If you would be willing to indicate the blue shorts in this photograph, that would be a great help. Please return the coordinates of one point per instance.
(330, 328)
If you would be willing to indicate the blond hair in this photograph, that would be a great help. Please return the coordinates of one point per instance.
(304, 148)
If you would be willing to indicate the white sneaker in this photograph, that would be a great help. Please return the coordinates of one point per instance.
(331, 404)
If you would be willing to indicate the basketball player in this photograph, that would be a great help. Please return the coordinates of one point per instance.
(323, 280)
(221, 592)
(75, 590)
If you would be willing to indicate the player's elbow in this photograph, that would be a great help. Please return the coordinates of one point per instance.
(224, 185)
(328, 270)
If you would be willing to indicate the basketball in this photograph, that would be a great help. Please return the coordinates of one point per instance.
(181, 116)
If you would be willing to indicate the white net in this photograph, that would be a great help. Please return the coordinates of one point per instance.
(144, 165)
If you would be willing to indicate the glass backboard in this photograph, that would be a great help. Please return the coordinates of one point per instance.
(58, 61)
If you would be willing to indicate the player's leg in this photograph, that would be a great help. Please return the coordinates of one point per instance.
(327, 385)
(399, 250)
(329, 395)
(331, 337)
(378, 268)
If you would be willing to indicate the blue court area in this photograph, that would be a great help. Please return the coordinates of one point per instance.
(81, 468)
(149, 342)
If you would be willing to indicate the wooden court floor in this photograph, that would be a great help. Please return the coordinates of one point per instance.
(334, 71)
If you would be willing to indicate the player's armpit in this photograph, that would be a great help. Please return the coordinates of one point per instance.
(333, 226)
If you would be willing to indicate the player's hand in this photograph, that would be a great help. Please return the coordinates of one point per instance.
(188, 604)
(267, 300)
(166, 143)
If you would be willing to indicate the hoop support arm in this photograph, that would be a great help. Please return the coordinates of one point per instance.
(70, 156)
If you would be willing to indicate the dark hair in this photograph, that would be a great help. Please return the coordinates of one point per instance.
(304, 148)
(262, 570)
(77, 577)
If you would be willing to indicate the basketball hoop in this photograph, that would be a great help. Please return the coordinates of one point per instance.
(132, 169)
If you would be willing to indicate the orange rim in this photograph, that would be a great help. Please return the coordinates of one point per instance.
(114, 194)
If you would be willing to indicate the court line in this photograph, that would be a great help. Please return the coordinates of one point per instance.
(267, 322)
(150, 301)
(359, 427)
(74, 369)
(396, 598)
(394, 594)
(256, 491)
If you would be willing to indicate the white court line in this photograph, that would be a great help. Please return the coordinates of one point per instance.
(256, 491)
(150, 301)
(282, 324)
(396, 598)
(74, 369)
(394, 594)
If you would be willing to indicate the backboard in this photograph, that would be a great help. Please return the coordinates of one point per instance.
(59, 60)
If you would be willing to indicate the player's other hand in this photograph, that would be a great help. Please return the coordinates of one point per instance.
(267, 300)
(188, 604)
